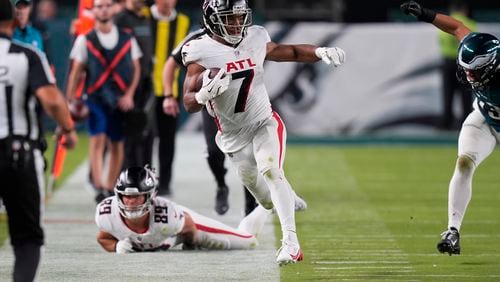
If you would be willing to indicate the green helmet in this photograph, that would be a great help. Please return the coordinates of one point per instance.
(479, 56)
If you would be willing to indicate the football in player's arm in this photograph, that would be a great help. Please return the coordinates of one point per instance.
(479, 68)
(250, 132)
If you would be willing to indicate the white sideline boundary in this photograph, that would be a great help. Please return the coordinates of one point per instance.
(71, 252)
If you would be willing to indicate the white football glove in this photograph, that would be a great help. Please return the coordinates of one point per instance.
(212, 87)
(329, 55)
(124, 246)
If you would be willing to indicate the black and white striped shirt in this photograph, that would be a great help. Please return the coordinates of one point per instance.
(23, 70)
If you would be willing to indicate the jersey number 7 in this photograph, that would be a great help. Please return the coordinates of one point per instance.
(247, 76)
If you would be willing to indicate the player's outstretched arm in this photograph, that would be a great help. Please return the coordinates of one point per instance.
(305, 53)
(443, 22)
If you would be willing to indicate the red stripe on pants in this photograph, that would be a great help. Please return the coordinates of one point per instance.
(280, 134)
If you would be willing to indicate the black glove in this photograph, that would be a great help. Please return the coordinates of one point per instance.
(415, 9)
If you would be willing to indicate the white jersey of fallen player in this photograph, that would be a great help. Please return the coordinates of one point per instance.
(166, 221)
(246, 101)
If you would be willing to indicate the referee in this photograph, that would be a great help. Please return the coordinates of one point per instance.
(25, 79)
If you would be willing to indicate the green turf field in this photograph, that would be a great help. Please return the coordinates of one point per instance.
(73, 159)
(377, 212)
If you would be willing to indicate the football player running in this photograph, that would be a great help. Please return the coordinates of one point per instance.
(250, 132)
(479, 67)
(136, 220)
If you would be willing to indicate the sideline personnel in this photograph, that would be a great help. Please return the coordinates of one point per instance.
(139, 129)
(169, 28)
(110, 58)
(24, 72)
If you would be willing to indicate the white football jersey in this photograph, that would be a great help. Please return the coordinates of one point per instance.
(246, 101)
(166, 221)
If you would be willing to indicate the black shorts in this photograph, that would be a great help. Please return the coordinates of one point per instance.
(22, 196)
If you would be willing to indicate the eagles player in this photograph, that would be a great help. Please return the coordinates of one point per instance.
(479, 65)
(135, 220)
(250, 132)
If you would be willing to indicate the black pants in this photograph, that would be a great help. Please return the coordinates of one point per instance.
(139, 149)
(450, 86)
(21, 195)
(167, 129)
(216, 158)
(20, 192)
(139, 143)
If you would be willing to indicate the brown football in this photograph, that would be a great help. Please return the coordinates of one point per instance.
(78, 110)
(199, 80)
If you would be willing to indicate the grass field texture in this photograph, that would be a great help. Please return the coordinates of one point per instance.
(376, 213)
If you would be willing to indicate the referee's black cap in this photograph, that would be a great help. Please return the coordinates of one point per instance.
(6, 10)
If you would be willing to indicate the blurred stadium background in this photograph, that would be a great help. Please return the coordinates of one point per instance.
(390, 87)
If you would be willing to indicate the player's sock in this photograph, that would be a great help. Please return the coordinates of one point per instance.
(460, 191)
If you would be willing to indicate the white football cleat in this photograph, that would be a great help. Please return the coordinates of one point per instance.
(300, 204)
(289, 253)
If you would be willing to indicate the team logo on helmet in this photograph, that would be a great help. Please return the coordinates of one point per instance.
(479, 57)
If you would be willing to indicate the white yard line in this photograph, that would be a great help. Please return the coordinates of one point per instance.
(71, 252)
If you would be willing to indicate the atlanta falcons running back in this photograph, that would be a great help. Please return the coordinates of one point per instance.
(253, 136)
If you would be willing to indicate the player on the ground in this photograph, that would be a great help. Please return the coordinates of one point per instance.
(479, 67)
(250, 132)
(136, 220)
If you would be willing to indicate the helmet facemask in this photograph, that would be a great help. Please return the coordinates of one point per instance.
(137, 211)
(229, 23)
(136, 182)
